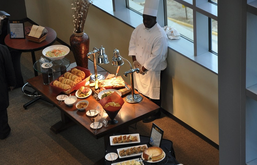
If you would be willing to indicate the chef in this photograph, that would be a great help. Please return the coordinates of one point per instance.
(148, 47)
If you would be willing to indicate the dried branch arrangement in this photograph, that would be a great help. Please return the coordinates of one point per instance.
(80, 10)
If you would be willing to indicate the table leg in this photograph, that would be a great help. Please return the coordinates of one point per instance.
(63, 124)
(33, 61)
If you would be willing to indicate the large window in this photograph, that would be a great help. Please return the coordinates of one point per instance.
(180, 15)
(214, 36)
(181, 18)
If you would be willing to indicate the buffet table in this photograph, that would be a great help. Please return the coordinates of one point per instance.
(129, 113)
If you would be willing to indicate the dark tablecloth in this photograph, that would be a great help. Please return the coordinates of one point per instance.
(166, 145)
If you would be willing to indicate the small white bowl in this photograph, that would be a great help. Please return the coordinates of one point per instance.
(69, 101)
(82, 108)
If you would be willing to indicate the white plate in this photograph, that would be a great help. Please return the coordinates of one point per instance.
(150, 161)
(66, 49)
(108, 90)
(111, 156)
(95, 124)
(88, 94)
(127, 156)
(92, 112)
(124, 162)
(114, 144)
(61, 97)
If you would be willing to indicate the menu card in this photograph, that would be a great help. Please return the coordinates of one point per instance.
(16, 29)
(156, 136)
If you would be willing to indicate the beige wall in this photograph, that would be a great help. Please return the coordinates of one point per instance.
(190, 92)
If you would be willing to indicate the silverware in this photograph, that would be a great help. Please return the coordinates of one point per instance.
(141, 161)
(111, 156)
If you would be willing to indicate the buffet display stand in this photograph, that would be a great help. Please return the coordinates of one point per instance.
(166, 146)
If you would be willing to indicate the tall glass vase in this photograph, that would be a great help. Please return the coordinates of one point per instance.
(80, 47)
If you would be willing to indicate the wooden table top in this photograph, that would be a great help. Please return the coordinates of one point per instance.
(23, 44)
(129, 113)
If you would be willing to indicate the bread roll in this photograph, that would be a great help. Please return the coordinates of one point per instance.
(58, 84)
(72, 77)
(67, 81)
(78, 73)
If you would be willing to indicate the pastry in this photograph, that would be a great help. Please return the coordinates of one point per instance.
(115, 140)
(58, 84)
(78, 73)
(120, 139)
(72, 77)
(153, 154)
(132, 150)
(67, 81)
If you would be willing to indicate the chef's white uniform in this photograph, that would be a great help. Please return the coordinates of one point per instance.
(150, 47)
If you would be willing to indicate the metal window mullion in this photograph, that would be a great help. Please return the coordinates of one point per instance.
(210, 34)
(119, 5)
(201, 42)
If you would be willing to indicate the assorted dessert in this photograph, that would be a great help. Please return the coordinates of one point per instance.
(125, 139)
(153, 154)
(132, 150)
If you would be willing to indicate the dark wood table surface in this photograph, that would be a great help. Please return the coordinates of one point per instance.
(129, 113)
(25, 45)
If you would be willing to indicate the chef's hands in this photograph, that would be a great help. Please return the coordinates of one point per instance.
(142, 69)
(137, 65)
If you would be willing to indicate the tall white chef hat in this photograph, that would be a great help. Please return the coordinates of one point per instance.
(151, 7)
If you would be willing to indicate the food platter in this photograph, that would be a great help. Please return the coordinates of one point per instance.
(133, 151)
(108, 91)
(136, 161)
(85, 96)
(136, 136)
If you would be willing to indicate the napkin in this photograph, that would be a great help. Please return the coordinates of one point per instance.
(172, 33)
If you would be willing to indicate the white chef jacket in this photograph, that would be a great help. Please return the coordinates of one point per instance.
(150, 47)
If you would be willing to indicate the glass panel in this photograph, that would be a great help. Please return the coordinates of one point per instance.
(136, 5)
(214, 36)
(180, 18)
